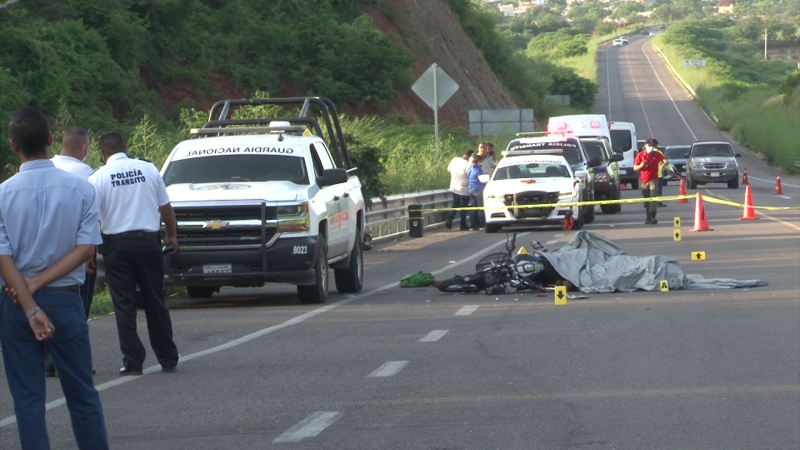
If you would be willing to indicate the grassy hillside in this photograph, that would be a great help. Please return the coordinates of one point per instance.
(757, 100)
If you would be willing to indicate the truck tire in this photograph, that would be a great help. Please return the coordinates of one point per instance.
(201, 291)
(734, 183)
(492, 228)
(317, 293)
(351, 279)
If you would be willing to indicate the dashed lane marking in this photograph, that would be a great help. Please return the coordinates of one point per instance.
(434, 336)
(549, 243)
(388, 369)
(668, 94)
(467, 310)
(309, 427)
(560, 235)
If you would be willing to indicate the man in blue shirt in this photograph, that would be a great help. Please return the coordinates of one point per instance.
(476, 192)
(49, 226)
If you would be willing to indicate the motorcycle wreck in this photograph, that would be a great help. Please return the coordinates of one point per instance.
(507, 273)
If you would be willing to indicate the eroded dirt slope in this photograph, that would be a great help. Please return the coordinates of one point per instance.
(431, 33)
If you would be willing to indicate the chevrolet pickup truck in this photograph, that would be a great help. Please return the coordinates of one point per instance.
(266, 200)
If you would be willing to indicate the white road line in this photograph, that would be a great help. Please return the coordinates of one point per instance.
(560, 235)
(467, 310)
(548, 243)
(773, 181)
(668, 94)
(784, 196)
(388, 369)
(244, 339)
(309, 427)
(434, 336)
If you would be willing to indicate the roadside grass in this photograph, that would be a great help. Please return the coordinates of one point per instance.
(753, 113)
(103, 306)
(586, 64)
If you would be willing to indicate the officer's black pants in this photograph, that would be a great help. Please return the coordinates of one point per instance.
(138, 261)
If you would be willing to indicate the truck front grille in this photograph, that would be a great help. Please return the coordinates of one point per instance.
(223, 213)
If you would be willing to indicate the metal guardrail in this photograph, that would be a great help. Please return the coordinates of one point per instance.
(389, 215)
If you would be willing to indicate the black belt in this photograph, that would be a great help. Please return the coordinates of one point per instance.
(75, 289)
(135, 234)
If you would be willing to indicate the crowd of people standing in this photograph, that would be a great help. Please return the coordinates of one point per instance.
(466, 185)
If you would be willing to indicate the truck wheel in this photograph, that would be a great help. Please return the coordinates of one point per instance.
(318, 293)
(201, 291)
(351, 279)
(690, 183)
(492, 228)
(734, 183)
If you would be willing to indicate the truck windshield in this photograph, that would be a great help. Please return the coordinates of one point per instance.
(712, 150)
(535, 170)
(595, 148)
(621, 140)
(241, 168)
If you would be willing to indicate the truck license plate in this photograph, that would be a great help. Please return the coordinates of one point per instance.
(217, 268)
(714, 174)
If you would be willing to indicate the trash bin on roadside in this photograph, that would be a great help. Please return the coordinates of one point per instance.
(415, 220)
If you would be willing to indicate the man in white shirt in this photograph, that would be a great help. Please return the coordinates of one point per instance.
(132, 200)
(74, 150)
(459, 186)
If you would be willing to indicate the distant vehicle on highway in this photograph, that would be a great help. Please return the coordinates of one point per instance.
(624, 39)
(653, 33)
(712, 162)
(645, 32)
(676, 156)
(617, 43)
(663, 27)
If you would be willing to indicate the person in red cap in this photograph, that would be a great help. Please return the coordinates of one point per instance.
(646, 164)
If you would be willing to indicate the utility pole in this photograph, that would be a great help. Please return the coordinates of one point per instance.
(765, 44)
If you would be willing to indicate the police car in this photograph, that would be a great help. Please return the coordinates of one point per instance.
(261, 201)
(522, 182)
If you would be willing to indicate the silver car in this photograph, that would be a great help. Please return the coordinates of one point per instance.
(712, 162)
(676, 156)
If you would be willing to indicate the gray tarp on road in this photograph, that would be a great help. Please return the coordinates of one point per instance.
(595, 264)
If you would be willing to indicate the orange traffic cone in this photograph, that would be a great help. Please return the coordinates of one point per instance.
(682, 191)
(778, 189)
(700, 222)
(745, 182)
(749, 212)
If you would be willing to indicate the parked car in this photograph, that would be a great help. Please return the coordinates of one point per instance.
(527, 180)
(676, 156)
(712, 162)
(617, 43)
(606, 175)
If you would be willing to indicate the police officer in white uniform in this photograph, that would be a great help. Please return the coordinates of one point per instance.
(130, 196)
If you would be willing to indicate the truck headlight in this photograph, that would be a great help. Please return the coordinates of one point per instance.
(601, 177)
(294, 218)
(495, 197)
(566, 195)
(697, 166)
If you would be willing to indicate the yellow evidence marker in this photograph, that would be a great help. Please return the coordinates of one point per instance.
(676, 235)
(561, 295)
(664, 286)
(677, 221)
(698, 256)
(522, 251)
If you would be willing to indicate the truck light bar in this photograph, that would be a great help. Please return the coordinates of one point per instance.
(241, 130)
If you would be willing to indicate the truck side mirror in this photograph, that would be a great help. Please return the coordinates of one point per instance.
(332, 176)
(686, 155)
(616, 157)
(595, 161)
(738, 155)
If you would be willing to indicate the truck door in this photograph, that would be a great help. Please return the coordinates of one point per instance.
(336, 203)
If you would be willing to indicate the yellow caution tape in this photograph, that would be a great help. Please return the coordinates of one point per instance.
(612, 202)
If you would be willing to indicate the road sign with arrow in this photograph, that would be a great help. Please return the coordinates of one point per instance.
(676, 235)
(698, 256)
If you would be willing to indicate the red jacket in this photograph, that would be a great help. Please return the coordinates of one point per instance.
(651, 171)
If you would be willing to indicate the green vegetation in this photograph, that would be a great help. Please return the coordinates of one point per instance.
(757, 100)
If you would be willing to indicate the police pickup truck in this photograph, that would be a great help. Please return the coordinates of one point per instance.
(266, 200)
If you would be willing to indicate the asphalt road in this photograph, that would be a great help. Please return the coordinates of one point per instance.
(413, 368)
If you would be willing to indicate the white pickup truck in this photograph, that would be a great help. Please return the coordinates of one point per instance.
(263, 200)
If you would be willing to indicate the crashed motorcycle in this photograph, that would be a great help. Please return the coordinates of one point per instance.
(506, 273)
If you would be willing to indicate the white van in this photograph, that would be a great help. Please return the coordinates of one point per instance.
(623, 140)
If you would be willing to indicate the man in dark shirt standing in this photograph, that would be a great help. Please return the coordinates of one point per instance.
(49, 226)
